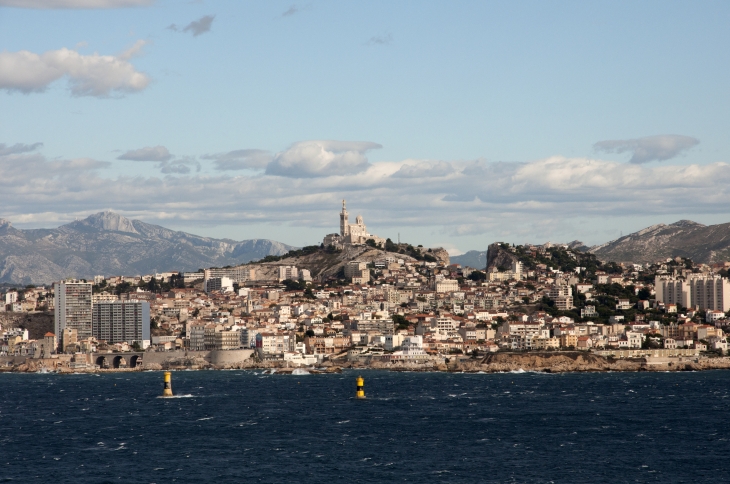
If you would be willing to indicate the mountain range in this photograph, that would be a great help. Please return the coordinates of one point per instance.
(701, 243)
(474, 258)
(108, 244)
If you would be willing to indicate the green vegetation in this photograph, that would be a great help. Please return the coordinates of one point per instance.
(478, 276)
(294, 285)
(400, 322)
(310, 249)
(560, 258)
(409, 250)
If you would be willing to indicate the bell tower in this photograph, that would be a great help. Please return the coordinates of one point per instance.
(344, 225)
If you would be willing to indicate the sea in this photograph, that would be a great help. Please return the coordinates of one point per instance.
(251, 426)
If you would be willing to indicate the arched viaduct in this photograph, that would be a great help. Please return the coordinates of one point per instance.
(118, 360)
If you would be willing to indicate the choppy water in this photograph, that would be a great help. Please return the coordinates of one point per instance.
(236, 426)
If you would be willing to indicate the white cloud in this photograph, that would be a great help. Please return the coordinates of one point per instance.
(180, 166)
(308, 159)
(88, 75)
(164, 159)
(52, 4)
(18, 148)
(16, 171)
(424, 169)
(533, 201)
(649, 148)
(148, 153)
(134, 51)
(240, 160)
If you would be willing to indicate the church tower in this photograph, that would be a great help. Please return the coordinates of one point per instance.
(344, 225)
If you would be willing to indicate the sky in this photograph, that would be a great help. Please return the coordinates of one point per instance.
(451, 123)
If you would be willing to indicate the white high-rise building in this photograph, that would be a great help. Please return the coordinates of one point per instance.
(709, 292)
(122, 322)
(236, 274)
(288, 272)
(73, 307)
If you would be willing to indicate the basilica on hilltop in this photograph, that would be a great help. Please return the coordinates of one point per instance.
(351, 234)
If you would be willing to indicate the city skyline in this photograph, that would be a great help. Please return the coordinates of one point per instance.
(451, 124)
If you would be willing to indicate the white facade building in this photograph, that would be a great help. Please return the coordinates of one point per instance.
(288, 272)
(73, 307)
(709, 292)
(219, 284)
(122, 322)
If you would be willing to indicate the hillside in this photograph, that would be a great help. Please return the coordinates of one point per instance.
(108, 244)
(323, 263)
(701, 243)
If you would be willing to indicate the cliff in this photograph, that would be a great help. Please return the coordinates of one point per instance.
(498, 257)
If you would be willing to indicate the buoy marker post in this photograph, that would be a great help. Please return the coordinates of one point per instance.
(360, 387)
(167, 389)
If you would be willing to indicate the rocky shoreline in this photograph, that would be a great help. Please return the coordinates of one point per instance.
(557, 362)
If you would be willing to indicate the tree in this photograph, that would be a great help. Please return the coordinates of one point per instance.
(400, 321)
(310, 333)
(478, 276)
(153, 286)
(292, 285)
(371, 243)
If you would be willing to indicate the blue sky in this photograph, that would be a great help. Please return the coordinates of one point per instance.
(451, 123)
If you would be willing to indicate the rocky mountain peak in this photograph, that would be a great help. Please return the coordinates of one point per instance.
(686, 223)
(109, 220)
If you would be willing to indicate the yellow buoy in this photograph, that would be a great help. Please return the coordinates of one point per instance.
(167, 391)
(360, 390)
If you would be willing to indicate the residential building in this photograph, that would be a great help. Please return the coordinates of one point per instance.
(73, 307)
(288, 272)
(122, 322)
(218, 284)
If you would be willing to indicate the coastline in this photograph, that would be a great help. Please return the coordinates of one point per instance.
(554, 362)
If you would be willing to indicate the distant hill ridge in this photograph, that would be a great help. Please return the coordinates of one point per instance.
(701, 243)
(107, 243)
